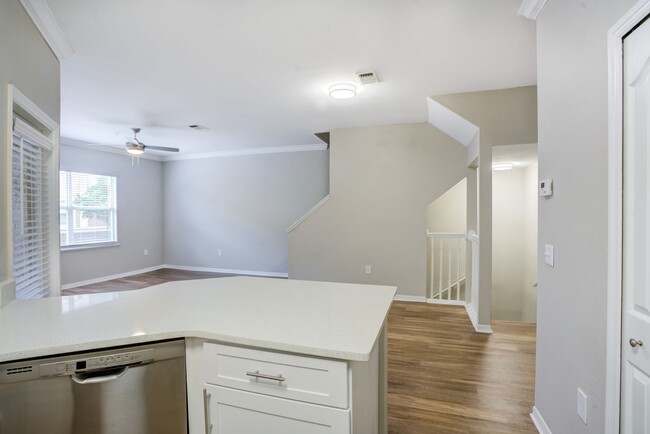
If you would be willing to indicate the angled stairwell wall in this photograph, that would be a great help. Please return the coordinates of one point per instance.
(381, 181)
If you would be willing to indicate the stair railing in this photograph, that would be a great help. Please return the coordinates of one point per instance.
(447, 268)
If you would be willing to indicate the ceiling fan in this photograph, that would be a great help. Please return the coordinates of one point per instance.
(136, 147)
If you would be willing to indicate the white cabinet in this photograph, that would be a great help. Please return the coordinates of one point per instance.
(241, 390)
(231, 411)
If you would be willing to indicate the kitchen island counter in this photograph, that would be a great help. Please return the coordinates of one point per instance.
(332, 320)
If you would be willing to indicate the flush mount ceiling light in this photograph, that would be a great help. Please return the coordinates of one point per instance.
(502, 166)
(343, 91)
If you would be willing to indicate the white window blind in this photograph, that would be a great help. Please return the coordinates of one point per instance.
(88, 211)
(30, 221)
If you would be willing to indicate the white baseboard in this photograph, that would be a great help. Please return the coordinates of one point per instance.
(538, 420)
(111, 277)
(228, 271)
(411, 298)
(447, 302)
(473, 316)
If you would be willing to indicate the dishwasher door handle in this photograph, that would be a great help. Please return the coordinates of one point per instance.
(94, 379)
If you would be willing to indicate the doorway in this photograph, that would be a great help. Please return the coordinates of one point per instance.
(623, 411)
(514, 233)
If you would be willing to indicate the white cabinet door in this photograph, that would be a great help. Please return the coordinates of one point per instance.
(231, 411)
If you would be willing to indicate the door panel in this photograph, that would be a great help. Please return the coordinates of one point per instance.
(635, 364)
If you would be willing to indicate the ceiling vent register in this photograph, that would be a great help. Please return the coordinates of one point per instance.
(366, 78)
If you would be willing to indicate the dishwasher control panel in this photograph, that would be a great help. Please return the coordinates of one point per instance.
(69, 367)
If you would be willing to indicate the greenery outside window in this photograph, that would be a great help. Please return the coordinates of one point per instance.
(88, 211)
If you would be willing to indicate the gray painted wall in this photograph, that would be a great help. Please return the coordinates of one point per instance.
(382, 180)
(27, 62)
(571, 322)
(139, 216)
(240, 205)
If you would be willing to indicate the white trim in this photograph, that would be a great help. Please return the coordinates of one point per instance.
(539, 422)
(22, 128)
(473, 317)
(445, 301)
(246, 151)
(43, 18)
(531, 8)
(228, 271)
(615, 211)
(410, 298)
(20, 99)
(111, 277)
(307, 214)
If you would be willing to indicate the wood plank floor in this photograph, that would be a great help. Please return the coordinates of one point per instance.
(143, 280)
(445, 378)
(442, 376)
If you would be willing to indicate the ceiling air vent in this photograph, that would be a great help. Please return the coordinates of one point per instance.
(367, 78)
(198, 127)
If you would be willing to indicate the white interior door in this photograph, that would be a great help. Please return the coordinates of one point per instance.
(635, 394)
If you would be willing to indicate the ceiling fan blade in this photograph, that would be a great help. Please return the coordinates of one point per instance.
(161, 148)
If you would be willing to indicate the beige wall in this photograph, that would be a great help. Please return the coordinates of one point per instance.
(448, 213)
(571, 322)
(27, 62)
(381, 181)
(514, 236)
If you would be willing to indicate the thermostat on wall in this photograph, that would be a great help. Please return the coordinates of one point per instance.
(546, 187)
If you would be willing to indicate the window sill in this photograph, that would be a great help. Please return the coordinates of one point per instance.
(88, 246)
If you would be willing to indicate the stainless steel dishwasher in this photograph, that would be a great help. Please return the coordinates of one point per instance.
(135, 390)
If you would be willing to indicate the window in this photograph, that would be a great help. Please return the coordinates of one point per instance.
(87, 209)
(30, 211)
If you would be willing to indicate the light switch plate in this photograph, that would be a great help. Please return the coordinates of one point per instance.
(549, 255)
(546, 187)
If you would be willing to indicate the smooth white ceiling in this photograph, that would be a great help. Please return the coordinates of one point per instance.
(256, 72)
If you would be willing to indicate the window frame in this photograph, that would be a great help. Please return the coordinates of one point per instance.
(70, 208)
(21, 105)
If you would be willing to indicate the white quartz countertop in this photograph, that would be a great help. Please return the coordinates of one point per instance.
(334, 320)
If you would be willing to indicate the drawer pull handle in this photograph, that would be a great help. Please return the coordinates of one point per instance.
(257, 374)
(206, 411)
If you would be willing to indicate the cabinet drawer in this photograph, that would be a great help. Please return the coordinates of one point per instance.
(232, 411)
(319, 381)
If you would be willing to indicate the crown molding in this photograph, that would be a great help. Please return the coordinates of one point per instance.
(195, 156)
(43, 18)
(247, 151)
(531, 8)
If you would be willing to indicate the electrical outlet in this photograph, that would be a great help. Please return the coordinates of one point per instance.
(219, 252)
(582, 405)
(146, 252)
(368, 269)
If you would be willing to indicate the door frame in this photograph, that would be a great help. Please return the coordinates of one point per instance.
(615, 211)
